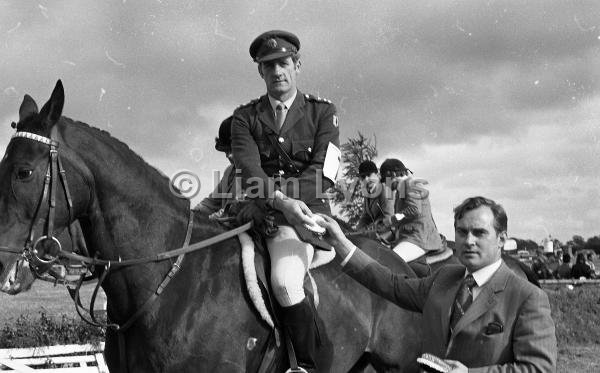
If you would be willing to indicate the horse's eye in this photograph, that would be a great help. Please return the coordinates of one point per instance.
(24, 173)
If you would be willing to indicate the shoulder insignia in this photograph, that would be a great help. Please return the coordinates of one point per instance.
(317, 99)
(249, 103)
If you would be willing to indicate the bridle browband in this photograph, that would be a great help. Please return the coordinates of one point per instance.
(41, 265)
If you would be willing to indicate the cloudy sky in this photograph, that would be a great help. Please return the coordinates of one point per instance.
(496, 98)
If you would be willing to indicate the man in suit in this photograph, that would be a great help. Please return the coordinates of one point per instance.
(279, 143)
(480, 319)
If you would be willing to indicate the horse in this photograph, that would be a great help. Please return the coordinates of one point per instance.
(203, 320)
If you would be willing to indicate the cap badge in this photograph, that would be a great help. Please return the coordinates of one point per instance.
(272, 43)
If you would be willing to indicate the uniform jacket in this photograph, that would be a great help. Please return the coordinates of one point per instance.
(508, 328)
(418, 227)
(310, 125)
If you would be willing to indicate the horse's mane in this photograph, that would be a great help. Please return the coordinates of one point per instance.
(115, 143)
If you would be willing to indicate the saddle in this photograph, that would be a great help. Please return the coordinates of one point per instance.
(256, 268)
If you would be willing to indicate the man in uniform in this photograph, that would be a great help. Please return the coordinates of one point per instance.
(279, 143)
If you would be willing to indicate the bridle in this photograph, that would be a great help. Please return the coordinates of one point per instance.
(42, 263)
(30, 250)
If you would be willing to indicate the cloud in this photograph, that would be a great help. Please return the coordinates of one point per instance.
(544, 175)
(489, 96)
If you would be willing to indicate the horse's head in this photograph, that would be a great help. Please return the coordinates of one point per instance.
(34, 202)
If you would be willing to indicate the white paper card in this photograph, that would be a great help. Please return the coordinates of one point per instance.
(333, 157)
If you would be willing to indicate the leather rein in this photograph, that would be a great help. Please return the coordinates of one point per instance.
(42, 263)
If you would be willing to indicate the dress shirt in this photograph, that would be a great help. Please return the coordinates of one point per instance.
(483, 275)
(287, 103)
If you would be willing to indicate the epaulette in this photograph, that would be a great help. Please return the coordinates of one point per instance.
(317, 99)
(249, 103)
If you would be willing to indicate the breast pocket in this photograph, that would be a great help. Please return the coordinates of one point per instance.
(302, 150)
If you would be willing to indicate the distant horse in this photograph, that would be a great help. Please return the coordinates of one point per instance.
(203, 320)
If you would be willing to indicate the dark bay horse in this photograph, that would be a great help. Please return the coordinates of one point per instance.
(203, 320)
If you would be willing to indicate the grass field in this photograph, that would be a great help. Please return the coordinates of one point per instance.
(576, 313)
(579, 359)
(47, 298)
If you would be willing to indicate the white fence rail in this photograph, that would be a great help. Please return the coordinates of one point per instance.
(574, 282)
(54, 359)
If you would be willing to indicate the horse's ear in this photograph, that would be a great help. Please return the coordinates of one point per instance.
(28, 108)
(52, 109)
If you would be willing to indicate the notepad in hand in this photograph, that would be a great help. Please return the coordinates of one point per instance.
(432, 363)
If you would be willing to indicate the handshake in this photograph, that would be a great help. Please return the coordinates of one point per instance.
(316, 224)
(327, 228)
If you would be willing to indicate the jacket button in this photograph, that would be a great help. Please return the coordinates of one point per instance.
(281, 139)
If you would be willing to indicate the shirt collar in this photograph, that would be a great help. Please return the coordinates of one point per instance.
(483, 275)
(287, 103)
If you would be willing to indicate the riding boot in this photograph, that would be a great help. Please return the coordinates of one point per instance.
(299, 323)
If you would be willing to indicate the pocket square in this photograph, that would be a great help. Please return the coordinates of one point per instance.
(494, 327)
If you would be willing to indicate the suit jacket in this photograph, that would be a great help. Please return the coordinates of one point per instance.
(508, 328)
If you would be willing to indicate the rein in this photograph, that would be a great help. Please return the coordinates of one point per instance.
(155, 258)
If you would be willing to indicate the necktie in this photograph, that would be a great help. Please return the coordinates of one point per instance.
(463, 300)
(280, 113)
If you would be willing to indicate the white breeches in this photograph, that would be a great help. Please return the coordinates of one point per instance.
(408, 251)
(290, 258)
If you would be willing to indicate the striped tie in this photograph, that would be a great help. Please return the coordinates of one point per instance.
(463, 300)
